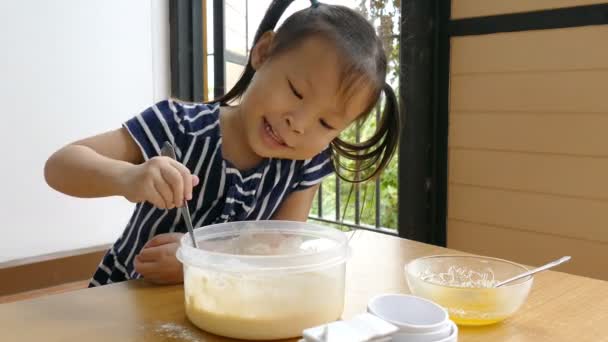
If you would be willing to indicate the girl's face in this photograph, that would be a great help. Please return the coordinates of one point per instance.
(293, 107)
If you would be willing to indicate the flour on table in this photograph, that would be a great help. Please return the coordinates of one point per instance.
(177, 332)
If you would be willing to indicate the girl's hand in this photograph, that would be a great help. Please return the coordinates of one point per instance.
(157, 262)
(161, 181)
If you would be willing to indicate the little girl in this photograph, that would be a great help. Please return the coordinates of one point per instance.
(262, 158)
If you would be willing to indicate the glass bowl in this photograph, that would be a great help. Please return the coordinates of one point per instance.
(464, 286)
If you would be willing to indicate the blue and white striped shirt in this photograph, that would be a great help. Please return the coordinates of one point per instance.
(224, 193)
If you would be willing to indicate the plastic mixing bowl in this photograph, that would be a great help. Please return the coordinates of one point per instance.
(464, 286)
(264, 280)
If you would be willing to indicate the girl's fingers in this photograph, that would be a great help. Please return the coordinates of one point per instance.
(186, 179)
(150, 254)
(144, 268)
(173, 178)
(195, 180)
(163, 239)
(155, 197)
(164, 191)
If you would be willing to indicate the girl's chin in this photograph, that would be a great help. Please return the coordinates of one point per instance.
(262, 151)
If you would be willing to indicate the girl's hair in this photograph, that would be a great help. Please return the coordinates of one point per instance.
(364, 61)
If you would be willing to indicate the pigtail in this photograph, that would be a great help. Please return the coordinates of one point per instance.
(272, 16)
(390, 127)
(373, 155)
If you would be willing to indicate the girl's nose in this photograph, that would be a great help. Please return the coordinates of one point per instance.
(295, 125)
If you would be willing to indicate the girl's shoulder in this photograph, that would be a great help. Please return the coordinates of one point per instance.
(312, 171)
(176, 122)
(191, 117)
(191, 107)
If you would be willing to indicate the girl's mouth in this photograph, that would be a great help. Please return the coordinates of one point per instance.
(274, 135)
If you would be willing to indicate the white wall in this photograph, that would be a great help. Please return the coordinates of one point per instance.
(69, 69)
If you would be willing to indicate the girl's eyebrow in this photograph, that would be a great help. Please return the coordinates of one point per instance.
(339, 111)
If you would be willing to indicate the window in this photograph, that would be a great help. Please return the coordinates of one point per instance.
(410, 198)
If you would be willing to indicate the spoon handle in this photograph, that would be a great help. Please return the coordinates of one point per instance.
(188, 219)
(168, 151)
(536, 270)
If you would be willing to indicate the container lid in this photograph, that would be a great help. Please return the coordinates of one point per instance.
(265, 246)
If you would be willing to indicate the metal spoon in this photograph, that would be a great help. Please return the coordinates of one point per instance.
(536, 270)
(169, 151)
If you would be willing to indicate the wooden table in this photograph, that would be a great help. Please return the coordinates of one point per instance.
(561, 307)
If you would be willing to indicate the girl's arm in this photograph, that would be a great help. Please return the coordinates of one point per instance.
(93, 167)
(112, 164)
(296, 206)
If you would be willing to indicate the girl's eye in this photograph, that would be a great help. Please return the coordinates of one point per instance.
(293, 90)
(325, 124)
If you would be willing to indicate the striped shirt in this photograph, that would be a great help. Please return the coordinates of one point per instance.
(224, 193)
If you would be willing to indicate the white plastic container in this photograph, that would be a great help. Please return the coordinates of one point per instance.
(411, 314)
(264, 280)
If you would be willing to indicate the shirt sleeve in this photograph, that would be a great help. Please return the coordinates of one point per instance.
(314, 170)
(168, 121)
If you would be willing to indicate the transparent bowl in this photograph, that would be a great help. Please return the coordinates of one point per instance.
(464, 286)
(263, 280)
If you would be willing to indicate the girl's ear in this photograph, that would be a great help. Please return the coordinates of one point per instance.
(261, 50)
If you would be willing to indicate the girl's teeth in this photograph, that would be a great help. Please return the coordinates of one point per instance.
(272, 134)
